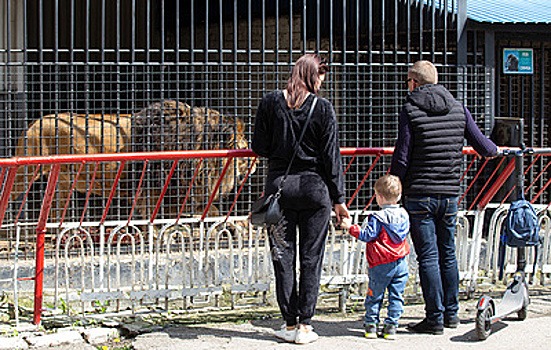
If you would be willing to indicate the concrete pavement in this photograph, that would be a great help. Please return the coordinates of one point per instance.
(346, 332)
(532, 333)
(253, 328)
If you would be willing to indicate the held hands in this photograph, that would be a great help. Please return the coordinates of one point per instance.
(346, 223)
(341, 212)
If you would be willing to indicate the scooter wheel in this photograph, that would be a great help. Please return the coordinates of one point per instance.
(521, 314)
(484, 322)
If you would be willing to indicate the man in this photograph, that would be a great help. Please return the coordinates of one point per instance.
(427, 158)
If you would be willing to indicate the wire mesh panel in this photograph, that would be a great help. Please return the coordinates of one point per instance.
(85, 77)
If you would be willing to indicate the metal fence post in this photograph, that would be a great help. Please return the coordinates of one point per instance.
(40, 240)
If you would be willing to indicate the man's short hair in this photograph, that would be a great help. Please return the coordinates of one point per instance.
(424, 72)
(390, 187)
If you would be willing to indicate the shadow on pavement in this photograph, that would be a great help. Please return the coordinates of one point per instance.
(261, 330)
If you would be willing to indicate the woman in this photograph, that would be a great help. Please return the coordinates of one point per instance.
(313, 187)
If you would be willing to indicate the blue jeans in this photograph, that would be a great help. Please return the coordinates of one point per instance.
(392, 277)
(433, 220)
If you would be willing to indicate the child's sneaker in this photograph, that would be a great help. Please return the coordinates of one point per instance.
(389, 331)
(371, 331)
(289, 335)
(305, 334)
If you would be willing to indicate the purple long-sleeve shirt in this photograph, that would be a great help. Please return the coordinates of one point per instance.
(402, 150)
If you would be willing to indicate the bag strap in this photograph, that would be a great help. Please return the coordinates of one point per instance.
(280, 187)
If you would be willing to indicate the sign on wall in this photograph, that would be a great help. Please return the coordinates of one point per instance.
(518, 61)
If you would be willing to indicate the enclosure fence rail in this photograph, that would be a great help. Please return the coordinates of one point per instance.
(153, 259)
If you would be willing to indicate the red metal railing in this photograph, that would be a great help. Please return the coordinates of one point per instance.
(10, 166)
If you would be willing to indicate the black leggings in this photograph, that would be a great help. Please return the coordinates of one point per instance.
(306, 206)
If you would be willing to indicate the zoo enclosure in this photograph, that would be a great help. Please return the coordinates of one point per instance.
(104, 62)
(195, 261)
(100, 62)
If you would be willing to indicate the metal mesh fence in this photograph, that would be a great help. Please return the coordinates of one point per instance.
(95, 67)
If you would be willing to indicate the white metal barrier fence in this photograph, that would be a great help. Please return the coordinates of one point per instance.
(221, 261)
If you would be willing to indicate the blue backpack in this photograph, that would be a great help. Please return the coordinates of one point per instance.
(520, 229)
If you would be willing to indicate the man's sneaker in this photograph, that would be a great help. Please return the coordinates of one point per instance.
(389, 331)
(305, 334)
(425, 327)
(371, 331)
(451, 322)
(289, 335)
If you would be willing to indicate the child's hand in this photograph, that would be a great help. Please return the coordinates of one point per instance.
(346, 223)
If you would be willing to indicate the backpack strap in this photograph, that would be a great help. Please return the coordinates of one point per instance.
(501, 259)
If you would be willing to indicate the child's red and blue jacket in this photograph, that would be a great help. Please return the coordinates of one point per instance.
(385, 232)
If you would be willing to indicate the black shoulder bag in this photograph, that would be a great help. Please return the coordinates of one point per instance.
(266, 209)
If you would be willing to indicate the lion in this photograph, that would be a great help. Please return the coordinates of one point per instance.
(163, 126)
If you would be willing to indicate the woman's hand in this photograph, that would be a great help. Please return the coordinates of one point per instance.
(341, 212)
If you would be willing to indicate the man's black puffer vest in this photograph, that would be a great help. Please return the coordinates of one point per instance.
(438, 127)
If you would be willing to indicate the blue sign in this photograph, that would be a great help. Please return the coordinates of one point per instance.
(518, 61)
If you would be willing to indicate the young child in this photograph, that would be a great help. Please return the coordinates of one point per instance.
(385, 232)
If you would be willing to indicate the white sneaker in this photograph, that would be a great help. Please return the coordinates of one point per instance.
(285, 334)
(306, 335)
